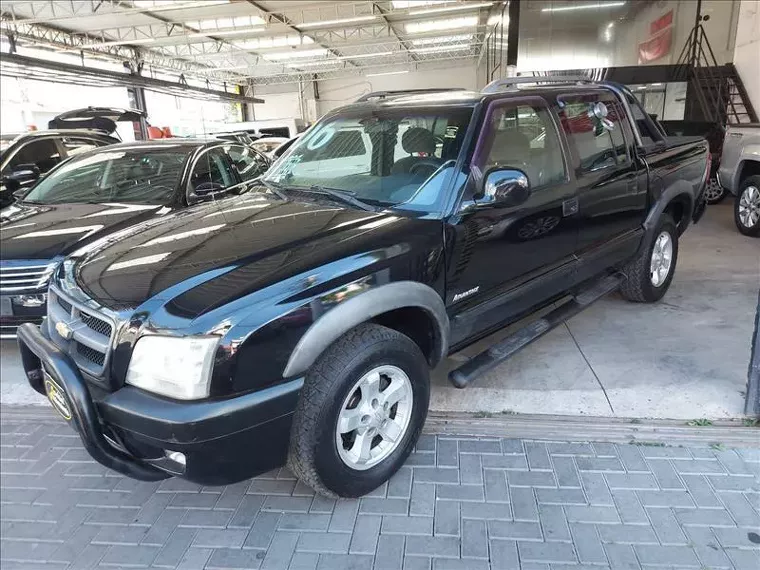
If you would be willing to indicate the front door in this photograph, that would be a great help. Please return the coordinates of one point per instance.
(612, 189)
(503, 260)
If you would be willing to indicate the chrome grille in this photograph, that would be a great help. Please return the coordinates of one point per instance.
(84, 333)
(24, 278)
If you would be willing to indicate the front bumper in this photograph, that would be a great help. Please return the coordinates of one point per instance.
(134, 432)
(14, 314)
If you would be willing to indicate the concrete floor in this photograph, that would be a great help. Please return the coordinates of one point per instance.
(685, 357)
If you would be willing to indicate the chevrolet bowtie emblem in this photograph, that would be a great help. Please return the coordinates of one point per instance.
(63, 329)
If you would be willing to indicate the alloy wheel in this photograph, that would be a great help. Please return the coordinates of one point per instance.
(662, 257)
(374, 417)
(749, 207)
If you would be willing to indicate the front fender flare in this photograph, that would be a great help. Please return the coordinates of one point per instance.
(362, 308)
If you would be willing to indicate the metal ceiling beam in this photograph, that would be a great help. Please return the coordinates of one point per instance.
(14, 65)
(286, 21)
(392, 27)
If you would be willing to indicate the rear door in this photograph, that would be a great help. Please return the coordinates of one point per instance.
(612, 187)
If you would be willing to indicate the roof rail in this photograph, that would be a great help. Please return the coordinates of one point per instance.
(496, 85)
(384, 94)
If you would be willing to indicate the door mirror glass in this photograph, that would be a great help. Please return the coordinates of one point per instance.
(505, 187)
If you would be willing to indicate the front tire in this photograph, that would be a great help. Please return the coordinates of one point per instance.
(649, 274)
(361, 411)
(747, 207)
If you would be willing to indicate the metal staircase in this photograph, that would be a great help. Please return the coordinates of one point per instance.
(718, 90)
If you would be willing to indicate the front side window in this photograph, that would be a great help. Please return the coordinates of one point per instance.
(211, 172)
(43, 153)
(249, 163)
(592, 125)
(392, 157)
(137, 175)
(522, 136)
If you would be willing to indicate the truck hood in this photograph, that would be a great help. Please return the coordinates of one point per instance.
(44, 231)
(215, 254)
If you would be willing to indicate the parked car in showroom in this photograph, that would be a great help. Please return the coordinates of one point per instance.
(298, 323)
(102, 191)
(24, 158)
(268, 145)
(739, 174)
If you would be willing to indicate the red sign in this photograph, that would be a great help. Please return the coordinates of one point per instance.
(658, 45)
(661, 23)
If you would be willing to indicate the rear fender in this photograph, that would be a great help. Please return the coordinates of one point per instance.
(680, 190)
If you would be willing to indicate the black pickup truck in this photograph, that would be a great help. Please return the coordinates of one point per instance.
(298, 322)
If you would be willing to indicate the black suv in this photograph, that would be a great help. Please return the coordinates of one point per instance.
(299, 323)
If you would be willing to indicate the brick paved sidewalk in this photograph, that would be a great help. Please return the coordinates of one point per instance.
(458, 503)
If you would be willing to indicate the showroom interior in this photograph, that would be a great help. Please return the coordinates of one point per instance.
(650, 387)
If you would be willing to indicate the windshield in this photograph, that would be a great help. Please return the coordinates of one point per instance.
(391, 157)
(137, 175)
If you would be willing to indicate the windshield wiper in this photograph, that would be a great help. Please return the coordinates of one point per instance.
(275, 187)
(344, 196)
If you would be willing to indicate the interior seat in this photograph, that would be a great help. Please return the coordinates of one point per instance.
(415, 141)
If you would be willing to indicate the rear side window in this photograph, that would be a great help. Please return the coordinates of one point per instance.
(76, 145)
(523, 136)
(593, 128)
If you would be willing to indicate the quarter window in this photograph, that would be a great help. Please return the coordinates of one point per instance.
(212, 169)
(524, 137)
(248, 162)
(592, 125)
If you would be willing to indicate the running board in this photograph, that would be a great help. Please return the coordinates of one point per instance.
(502, 350)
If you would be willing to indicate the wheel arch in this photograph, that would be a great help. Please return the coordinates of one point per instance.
(391, 305)
(677, 200)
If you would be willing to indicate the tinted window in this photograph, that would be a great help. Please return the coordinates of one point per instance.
(523, 137)
(592, 124)
(212, 168)
(76, 145)
(247, 161)
(145, 176)
(382, 156)
(44, 153)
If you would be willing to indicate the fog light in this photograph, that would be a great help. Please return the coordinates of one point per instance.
(30, 300)
(176, 456)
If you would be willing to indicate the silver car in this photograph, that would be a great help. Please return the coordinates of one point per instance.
(739, 173)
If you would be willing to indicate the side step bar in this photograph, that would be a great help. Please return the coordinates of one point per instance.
(501, 351)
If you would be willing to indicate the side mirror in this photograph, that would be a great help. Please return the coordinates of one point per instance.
(23, 173)
(505, 187)
(208, 188)
(20, 193)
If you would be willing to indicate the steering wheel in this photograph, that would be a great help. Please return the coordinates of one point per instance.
(429, 163)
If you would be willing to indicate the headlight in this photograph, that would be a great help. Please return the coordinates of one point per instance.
(174, 367)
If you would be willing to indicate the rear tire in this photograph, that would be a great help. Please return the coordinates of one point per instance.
(747, 207)
(714, 193)
(347, 387)
(649, 274)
